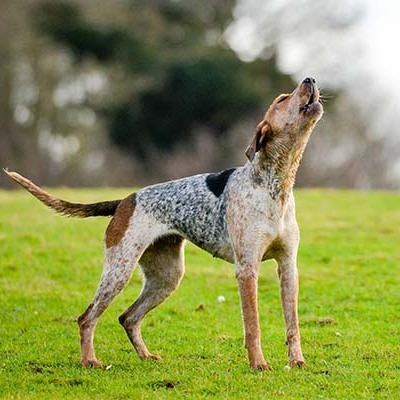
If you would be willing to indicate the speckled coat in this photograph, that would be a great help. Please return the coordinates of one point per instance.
(243, 215)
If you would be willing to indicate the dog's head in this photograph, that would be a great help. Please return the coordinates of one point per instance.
(293, 115)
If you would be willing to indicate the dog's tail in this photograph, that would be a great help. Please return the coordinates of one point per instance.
(104, 208)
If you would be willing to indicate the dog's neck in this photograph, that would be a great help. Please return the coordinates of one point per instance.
(275, 167)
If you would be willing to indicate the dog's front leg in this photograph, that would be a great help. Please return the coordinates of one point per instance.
(247, 277)
(288, 276)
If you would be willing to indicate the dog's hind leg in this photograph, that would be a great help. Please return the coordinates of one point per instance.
(117, 271)
(125, 243)
(163, 267)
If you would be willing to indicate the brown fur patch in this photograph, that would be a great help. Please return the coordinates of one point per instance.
(119, 224)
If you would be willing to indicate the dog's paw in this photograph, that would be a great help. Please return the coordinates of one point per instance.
(92, 363)
(262, 366)
(149, 356)
(297, 362)
(154, 357)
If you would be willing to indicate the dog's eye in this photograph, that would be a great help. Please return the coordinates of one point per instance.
(283, 98)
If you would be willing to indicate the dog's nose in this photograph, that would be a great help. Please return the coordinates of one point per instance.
(309, 80)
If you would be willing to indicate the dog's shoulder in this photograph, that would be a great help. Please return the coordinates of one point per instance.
(216, 182)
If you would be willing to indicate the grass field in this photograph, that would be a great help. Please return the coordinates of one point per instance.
(349, 265)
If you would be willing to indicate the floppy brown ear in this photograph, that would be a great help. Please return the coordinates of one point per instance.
(262, 132)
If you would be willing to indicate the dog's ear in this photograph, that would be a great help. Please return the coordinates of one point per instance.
(263, 131)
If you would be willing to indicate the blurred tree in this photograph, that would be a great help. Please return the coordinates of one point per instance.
(178, 72)
(18, 137)
(173, 96)
(205, 92)
(64, 23)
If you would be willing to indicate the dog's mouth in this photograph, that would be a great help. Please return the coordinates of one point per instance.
(313, 98)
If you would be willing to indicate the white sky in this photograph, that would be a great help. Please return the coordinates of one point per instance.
(381, 37)
(368, 54)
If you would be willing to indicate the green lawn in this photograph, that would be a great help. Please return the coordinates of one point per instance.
(349, 265)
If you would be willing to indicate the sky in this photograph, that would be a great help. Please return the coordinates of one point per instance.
(380, 31)
(365, 54)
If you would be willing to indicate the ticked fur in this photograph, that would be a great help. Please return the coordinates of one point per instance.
(243, 215)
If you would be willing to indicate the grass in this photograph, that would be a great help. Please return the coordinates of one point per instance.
(349, 306)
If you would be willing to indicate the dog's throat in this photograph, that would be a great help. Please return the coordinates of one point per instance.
(277, 173)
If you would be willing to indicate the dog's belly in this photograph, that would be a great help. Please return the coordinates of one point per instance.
(211, 238)
(220, 248)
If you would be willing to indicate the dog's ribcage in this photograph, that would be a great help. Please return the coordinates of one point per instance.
(188, 207)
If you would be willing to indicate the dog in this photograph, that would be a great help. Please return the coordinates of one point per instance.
(242, 215)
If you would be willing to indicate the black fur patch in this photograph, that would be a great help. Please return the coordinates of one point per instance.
(216, 182)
